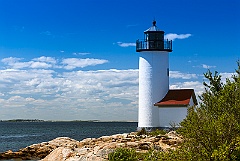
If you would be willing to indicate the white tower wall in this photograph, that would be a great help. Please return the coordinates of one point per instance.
(153, 85)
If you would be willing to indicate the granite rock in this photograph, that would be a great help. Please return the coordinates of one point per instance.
(93, 149)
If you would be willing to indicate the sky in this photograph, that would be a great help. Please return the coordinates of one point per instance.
(77, 59)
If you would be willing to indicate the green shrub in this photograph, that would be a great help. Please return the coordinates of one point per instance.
(152, 133)
(157, 132)
(211, 129)
(142, 132)
(227, 152)
(123, 154)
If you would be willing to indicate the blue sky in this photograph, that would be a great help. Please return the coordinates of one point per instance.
(76, 59)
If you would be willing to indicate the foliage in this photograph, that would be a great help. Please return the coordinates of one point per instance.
(222, 153)
(123, 154)
(157, 132)
(142, 132)
(211, 131)
(151, 133)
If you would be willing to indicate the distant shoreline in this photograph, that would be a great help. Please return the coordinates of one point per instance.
(38, 120)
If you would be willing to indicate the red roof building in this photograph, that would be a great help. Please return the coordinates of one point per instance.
(178, 98)
(174, 106)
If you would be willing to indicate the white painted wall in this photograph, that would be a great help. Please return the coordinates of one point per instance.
(153, 85)
(169, 115)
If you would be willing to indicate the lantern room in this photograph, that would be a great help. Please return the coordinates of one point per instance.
(154, 40)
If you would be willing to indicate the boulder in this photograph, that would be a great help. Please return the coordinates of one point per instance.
(59, 154)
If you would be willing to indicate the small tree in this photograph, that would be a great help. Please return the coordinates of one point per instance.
(212, 130)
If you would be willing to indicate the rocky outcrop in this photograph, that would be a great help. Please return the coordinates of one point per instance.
(93, 149)
(40, 151)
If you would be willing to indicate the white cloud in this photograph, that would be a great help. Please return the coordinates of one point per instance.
(196, 85)
(124, 44)
(101, 94)
(81, 53)
(10, 60)
(173, 36)
(72, 63)
(178, 74)
(39, 65)
(204, 66)
(207, 66)
(41, 62)
(74, 95)
(225, 75)
(46, 59)
(49, 62)
(14, 62)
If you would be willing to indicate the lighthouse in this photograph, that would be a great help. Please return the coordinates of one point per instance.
(154, 98)
(153, 74)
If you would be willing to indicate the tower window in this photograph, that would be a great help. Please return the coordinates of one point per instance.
(168, 72)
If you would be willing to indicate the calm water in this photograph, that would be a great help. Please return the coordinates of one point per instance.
(16, 135)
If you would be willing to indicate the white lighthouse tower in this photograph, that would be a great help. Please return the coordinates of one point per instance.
(153, 75)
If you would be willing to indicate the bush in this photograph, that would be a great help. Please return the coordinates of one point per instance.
(157, 132)
(152, 133)
(142, 132)
(123, 154)
(211, 131)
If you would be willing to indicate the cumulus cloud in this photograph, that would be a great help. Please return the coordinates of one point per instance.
(226, 75)
(196, 85)
(14, 63)
(71, 63)
(46, 93)
(124, 44)
(42, 62)
(50, 62)
(99, 94)
(178, 74)
(173, 36)
(46, 59)
(10, 60)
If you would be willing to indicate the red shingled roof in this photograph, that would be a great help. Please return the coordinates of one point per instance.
(177, 98)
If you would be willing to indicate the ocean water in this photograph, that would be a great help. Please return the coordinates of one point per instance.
(17, 135)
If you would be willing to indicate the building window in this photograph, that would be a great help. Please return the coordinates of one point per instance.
(168, 72)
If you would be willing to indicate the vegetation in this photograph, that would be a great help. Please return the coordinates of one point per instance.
(211, 130)
(23, 120)
(151, 133)
(122, 154)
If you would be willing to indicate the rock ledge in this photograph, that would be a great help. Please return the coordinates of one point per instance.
(93, 149)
